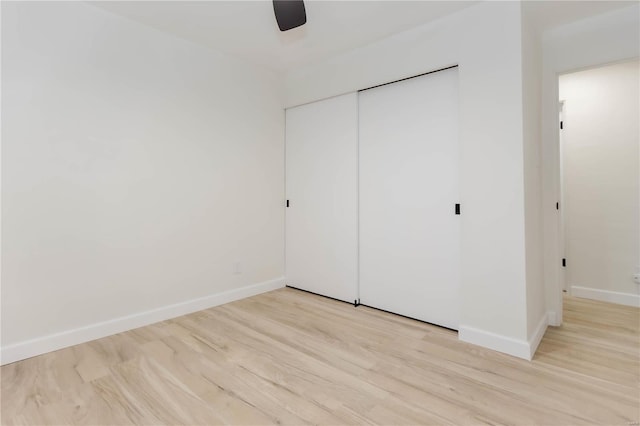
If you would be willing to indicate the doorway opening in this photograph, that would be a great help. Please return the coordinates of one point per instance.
(599, 206)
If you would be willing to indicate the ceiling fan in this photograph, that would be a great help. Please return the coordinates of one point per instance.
(289, 13)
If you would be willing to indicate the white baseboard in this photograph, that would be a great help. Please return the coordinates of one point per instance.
(627, 299)
(508, 345)
(538, 334)
(52, 342)
(496, 342)
(552, 319)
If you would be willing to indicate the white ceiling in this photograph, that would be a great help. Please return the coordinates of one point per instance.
(553, 13)
(248, 28)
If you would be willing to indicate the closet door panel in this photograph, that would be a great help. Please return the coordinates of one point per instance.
(321, 186)
(409, 232)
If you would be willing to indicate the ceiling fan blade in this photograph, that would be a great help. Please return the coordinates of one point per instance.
(289, 13)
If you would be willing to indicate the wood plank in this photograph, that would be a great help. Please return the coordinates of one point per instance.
(289, 357)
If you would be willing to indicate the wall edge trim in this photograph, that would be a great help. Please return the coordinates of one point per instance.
(497, 342)
(538, 334)
(52, 342)
(552, 319)
(627, 299)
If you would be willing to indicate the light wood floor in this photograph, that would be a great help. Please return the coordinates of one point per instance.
(295, 358)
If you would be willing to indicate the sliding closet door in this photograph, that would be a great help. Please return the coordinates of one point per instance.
(409, 230)
(321, 179)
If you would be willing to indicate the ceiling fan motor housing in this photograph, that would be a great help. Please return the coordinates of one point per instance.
(289, 13)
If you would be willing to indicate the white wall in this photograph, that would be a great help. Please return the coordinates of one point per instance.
(532, 83)
(603, 39)
(601, 167)
(485, 40)
(137, 169)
